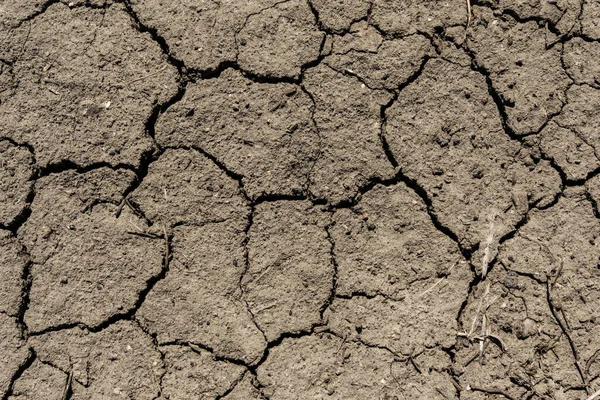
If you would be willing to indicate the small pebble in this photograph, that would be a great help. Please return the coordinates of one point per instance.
(526, 329)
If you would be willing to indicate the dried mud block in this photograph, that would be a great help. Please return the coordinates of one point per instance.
(524, 346)
(412, 16)
(565, 239)
(566, 233)
(571, 138)
(590, 19)
(384, 245)
(260, 131)
(185, 187)
(325, 366)
(195, 373)
(87, 266)
(279, 40)
(396, 289)
(446, 134)
(118, 361)
(201, 33)
(338, 16)
(16, 171)
(244, 390)
(14, 12)
(199, 301)
(17, 12)
(85, 91)
(569, 150)
(580, 59)
(528, 77)
(13, 351)
(12, 265)
(39, 381)
(391, 64)
(408, 325)
(348, 119)
(290, 273)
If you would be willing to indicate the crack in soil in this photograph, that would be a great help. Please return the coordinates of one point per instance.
(189, 76)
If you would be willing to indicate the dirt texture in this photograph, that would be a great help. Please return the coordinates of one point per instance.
(299, 199)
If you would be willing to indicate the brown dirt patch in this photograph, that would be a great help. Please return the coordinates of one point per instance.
(299, 199)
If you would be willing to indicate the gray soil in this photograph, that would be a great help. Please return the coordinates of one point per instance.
(299, 199)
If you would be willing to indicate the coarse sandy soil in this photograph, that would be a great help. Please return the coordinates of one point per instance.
(299, 199)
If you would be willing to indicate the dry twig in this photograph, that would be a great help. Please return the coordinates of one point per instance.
(593, 396)
(469, 13)
(68, 386)
(439, 281)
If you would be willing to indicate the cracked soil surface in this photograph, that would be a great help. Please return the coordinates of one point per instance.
(299, 199)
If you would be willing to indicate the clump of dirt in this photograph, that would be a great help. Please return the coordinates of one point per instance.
(348, 161)
(261, 132)
(448, 137)
(279, 40)
(116, 361)
(85, 260)
(361, 199)
(86, 90)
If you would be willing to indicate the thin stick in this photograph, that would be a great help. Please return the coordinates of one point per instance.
(468, 13)
(342, 344)
(475, 356)
(592, 397)
(195, 348)
(167, 255)
(442, 393)
(120, 208)
(68, 385)
(468, 17)
(566, 332)
(438, 282)
(132, 208)
(456, 385)
(485, 261)
(483, 337)
(145, 234)
(486, 292)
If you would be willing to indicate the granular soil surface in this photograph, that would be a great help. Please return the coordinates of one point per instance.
(299, 199)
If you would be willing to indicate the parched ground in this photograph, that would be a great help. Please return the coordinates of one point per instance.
(299, 199)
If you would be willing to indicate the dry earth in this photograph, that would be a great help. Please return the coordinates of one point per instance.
(299, 199)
